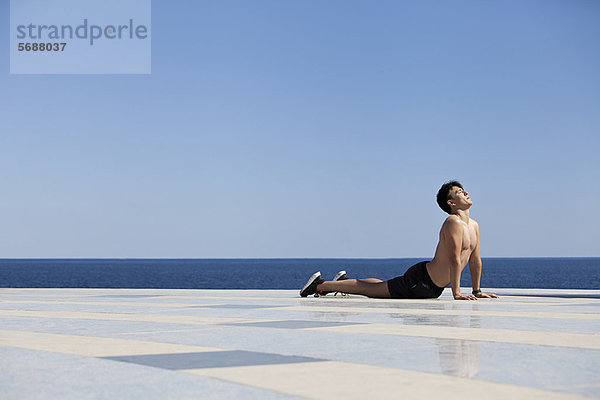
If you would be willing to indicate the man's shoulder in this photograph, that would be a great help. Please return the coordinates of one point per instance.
(455, 219)
(451, 223)
(452, 219)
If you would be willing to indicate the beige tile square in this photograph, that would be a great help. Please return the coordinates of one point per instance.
(340, 380)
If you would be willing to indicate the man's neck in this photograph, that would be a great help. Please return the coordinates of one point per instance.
(462, 214)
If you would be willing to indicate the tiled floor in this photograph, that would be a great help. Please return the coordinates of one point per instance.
(179, 344)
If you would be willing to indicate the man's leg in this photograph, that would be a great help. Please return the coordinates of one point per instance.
(370, 287)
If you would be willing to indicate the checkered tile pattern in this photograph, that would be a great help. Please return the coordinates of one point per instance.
(96, 343)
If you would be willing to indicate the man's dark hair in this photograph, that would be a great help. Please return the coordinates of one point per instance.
(443, 195)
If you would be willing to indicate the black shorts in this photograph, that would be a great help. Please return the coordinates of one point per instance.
(414, 284)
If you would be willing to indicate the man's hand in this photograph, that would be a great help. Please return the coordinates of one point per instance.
(460, 296)
(486, 295)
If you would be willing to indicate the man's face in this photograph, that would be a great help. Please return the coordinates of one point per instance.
(459, 198)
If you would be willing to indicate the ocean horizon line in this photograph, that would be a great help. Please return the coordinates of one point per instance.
(279, 273)
(288, 258)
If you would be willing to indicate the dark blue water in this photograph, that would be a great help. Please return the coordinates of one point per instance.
(548, 273)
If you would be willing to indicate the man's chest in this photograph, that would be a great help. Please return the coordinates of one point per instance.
(469, 237)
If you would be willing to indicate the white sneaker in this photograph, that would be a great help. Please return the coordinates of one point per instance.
(311, 285)
(340, 276)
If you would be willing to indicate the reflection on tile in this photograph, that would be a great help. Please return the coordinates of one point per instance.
(458, 357)
(294, 324)
(339, 380)
(381, 304)
(214, 359)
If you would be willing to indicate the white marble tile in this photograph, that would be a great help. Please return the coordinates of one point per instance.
(38, 375)
(517, 346)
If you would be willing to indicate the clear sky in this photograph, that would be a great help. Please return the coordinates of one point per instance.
(305, 128)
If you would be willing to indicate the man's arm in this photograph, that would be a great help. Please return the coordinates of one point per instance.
(475, 263)
(475, 268)
(453, 234)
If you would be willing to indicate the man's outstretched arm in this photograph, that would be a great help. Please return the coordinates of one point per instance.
(475, 269)
(453, 237)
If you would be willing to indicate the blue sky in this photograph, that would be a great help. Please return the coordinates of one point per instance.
(313, 129)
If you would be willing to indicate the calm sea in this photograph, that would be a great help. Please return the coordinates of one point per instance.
(548, 273)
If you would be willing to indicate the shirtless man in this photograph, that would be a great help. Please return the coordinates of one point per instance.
(458, 245)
